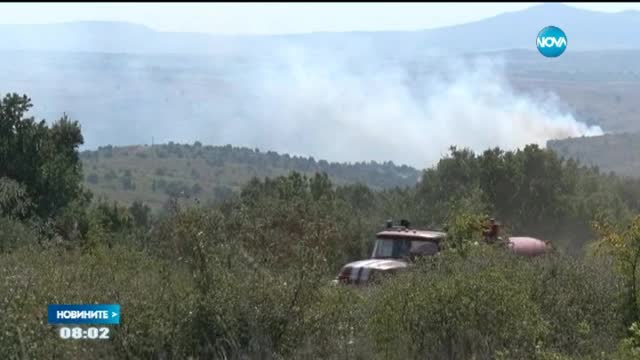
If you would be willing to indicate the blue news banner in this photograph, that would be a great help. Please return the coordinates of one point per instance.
(84, 314)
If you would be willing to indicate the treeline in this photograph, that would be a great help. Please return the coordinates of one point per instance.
(250, 278)
(532, 191)
(374, 174)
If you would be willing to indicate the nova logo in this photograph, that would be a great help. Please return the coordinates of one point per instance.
(551, 41)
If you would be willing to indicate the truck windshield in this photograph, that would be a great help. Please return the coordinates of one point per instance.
(399, 248)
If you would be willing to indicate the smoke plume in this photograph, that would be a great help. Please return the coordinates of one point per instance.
(355, 103)
(350, 110)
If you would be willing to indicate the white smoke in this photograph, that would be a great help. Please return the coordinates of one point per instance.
(357, 108)
(356, 103)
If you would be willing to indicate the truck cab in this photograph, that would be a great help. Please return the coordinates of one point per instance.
(393, 250)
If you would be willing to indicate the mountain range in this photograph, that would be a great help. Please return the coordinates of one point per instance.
(585, 29)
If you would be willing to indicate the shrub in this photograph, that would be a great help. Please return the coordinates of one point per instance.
(451, 308)
(581, 303)
(14, 234)
(154, 295)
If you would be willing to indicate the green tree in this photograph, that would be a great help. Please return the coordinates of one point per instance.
(43, 159)
(623, 244)
(464, 223)
(320, 186)
(141, 214)
(127, 181)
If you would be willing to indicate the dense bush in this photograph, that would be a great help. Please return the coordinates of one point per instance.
(217, 301)
(14, 234)
(153, 292)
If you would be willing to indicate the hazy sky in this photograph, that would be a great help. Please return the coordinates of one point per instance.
(265, 18)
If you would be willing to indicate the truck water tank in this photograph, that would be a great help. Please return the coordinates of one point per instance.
(527, 246)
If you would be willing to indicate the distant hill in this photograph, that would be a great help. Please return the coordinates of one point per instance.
(151, 173)
(506, 31)
(619, 153)
(518, 30)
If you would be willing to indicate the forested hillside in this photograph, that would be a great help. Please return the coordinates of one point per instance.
(250, 277)
(212, 173)
(619, 153)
